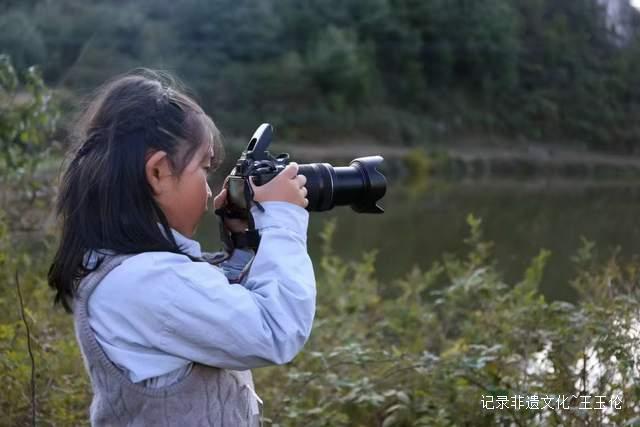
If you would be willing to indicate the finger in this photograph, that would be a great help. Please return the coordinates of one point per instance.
(306, 202)
(221, 195)
(302, 180)
(220, 199)
(304, 191)
(226, 181)
(290, 171)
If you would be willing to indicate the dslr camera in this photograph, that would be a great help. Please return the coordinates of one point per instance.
(359, 185)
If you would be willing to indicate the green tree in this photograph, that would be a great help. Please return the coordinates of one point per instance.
(21, 39)
(341, 68)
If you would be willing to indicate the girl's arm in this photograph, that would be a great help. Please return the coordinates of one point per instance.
(205, 319)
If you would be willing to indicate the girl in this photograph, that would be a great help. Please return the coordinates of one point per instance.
(165, 338)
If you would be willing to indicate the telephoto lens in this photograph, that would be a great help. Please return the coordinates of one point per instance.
(359, 185)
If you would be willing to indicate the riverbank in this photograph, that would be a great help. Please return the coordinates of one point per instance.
(467, 159)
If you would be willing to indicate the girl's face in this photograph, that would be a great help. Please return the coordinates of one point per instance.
(185, 198)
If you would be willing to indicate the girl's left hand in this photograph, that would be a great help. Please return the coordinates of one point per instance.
(234, 225)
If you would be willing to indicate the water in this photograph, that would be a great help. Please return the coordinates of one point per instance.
(428, 218)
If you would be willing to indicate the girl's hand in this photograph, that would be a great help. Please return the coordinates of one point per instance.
(234, 225)
(287, 186)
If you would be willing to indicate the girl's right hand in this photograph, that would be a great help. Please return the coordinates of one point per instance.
(287, 186)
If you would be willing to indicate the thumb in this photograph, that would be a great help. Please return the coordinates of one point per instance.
(290, 171)
(220, 199)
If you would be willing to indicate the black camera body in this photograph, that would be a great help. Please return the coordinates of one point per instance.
(255, 162)
(359, 185)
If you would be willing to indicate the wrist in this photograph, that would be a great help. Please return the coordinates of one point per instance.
(281, 215)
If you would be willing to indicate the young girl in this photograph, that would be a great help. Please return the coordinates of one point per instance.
(165, 337)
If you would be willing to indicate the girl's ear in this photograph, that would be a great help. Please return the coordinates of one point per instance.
(158, 171)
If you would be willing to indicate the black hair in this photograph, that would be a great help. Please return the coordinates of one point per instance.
(105, 201)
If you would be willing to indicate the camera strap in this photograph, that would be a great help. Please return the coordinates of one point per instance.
(249, 239)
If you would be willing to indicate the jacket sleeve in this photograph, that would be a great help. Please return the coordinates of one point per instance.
(265, 321)
(234, 267)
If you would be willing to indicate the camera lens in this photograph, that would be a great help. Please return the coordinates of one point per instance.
(359, 185)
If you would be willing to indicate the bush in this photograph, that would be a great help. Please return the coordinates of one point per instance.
(28, 119)
(427, 349)
(430, 349)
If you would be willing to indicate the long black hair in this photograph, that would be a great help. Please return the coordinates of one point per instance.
(105, 201)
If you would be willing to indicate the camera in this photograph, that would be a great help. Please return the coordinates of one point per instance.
(359, 185)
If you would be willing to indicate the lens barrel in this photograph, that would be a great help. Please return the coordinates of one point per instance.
(359, 185)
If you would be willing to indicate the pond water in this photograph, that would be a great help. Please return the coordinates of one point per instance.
(425, 219)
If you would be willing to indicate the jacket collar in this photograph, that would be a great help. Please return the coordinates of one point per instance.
(186, 245)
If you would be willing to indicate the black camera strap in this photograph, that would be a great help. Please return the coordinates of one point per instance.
(249, 239)
(249, 198)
